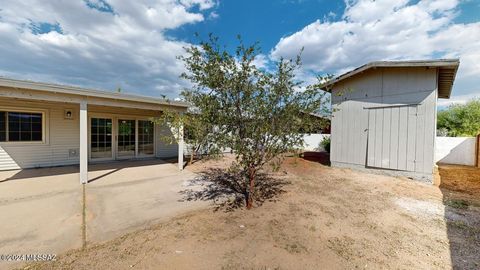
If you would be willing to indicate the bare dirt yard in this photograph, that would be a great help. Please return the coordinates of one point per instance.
(312, 217)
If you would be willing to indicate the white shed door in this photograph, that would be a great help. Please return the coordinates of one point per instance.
(392, 133)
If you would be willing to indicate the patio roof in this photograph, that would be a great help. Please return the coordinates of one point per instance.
(85, 92)
(446, 76)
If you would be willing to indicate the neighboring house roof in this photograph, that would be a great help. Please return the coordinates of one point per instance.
(78, 91)
(447, 72)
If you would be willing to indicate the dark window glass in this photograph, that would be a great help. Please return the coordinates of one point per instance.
(24, 126)
(13, 126)
(13, 136)
(3, 126)
(37, 127)
(101, 138)
(25, 136)
(36, 136)
(36, 118)
(145, 138)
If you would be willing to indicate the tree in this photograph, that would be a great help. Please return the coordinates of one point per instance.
(257, 113)
(460, 119)
(196, 132)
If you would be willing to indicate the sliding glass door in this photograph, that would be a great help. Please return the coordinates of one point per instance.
(145, 138)
(126, 138)
(120, 138)
(101, 138)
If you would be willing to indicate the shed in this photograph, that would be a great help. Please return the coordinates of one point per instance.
(384, 115)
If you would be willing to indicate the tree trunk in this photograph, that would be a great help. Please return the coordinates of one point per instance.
(191, 157)
(251, 179)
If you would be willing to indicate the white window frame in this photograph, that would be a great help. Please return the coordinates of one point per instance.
(115, 117)
(103, 116)
(44, 113)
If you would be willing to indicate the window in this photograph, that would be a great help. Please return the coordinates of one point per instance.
(3, 126)
(21, 126)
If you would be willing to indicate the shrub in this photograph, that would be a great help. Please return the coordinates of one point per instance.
(325, 143)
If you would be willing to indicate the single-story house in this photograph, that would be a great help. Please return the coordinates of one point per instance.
(385, 114)
(43, 125)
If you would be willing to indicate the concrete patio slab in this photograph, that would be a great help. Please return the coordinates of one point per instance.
(41, 209)
(129, 198)
(39, 214)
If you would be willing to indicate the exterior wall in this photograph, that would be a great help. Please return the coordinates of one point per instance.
(393, 89)
(62, 135)
(162, 149)
(456, 150)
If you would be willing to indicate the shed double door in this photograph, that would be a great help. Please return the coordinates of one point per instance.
(395, 137)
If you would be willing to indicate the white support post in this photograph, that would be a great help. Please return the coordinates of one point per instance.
(83, 142)
(180, 148)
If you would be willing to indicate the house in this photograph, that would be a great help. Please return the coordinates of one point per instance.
(384, 115)
(43, 125)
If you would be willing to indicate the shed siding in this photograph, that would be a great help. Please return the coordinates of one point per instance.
(403, 136)
(62, 135)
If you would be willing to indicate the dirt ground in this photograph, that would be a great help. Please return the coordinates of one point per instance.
(459, 178)
(323, 217)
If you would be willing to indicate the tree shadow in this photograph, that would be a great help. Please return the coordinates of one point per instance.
(227, 189)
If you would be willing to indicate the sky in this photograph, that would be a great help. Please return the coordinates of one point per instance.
(133, 45)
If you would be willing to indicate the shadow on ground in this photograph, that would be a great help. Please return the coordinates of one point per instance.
(115, 165)
(460, 186)
(320, 157)
(227, 190)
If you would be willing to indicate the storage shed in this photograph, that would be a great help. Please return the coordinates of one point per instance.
(384, 115)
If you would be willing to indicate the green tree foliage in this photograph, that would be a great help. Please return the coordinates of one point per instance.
(256, 112)
(325, 143)
(460, 119)
(197, 132)
(259, 114)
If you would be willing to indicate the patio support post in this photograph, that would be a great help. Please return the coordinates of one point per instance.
(83, 142)
(180, 148)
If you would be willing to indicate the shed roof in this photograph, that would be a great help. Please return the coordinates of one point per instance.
(446, 75)
(84, 92)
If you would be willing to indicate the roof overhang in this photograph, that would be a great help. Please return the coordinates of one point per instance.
(447, 70)
(86, 93)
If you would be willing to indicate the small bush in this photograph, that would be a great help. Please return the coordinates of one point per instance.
(325, 143)
(459, 204)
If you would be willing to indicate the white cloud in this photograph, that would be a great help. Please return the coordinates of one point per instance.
(459, 99)
(213, 15)
(261, 61)
(389, 30)
(101, 44)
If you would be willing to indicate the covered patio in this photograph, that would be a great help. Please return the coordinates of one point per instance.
(48, 125)
(45, 210)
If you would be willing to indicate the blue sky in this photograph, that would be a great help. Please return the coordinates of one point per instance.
(107, 44)
(262, 21)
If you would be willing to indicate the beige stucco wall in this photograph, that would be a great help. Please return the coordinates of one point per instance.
(62, 135)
